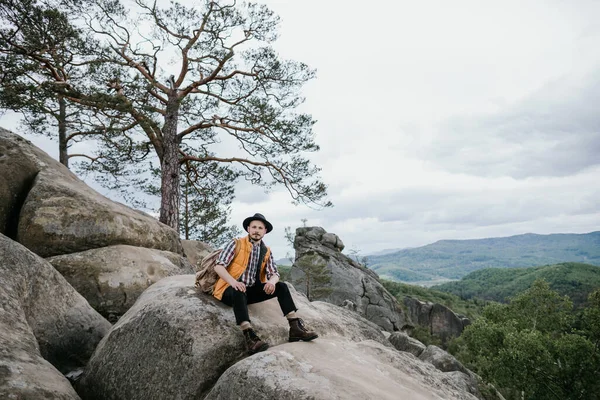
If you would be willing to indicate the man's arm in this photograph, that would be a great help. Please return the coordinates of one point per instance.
(272, 275)
(227, 255)
(222, 272)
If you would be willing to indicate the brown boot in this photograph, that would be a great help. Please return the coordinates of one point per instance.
(299, 332)
(253, 342)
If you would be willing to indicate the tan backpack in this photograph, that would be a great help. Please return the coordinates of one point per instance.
(206, 277)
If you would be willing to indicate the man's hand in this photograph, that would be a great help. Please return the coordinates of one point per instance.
(239, 286)
(269, 288)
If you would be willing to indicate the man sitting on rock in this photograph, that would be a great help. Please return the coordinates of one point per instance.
(248, 275)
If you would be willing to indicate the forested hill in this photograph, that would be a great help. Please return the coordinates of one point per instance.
(453, 259)
(575, 280)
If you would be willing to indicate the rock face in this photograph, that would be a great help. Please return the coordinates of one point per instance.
(112, 278)
(439, 319)
(18, 172)
(175, 342)
(60, 214)
(445, 362)
(195, 251)
(45, 327)
(442, 360)
(329, 369)
(351, 283)
(403, 342)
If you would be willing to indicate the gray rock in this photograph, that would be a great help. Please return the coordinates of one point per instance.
(112, 278)
(350, 281)
(18, 171)
(403, 342)
(175, 342)
(332, 241)
(45, 327)
(335, 369)
(195, 251)
(61, 214)
(437, 318)
(468, 382)
(442, 360)
(349, 305)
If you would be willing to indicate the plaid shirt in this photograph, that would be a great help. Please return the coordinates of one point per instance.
(249, 275)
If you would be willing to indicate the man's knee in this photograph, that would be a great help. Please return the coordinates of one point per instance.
(239, 295)
(281, 287)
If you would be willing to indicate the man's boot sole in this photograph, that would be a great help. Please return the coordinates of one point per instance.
(261, 348)
(308, 339)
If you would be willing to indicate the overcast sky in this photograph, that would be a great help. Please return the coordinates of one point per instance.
(442, 120)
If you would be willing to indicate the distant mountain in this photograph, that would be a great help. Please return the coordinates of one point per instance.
(385, 252)
(283, 261)
(575, 280)
(453, 259)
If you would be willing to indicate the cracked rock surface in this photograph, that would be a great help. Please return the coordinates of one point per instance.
(350, 281)
(46, 327)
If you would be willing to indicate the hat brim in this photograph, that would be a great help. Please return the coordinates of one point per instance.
(247, 221)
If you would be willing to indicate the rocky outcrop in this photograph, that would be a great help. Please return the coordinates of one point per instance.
(175, 342)
(403, 342)
(112, 278)
(445, 362)
(178, 343)
(437, 318)
(45, 327)
(60, 214)
(329, 369)
(442, 360)
(351, 283)
(195, 251)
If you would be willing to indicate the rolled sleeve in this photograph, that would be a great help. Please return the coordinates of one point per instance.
(227, 254)
(271, 267)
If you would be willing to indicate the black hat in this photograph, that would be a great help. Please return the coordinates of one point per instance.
(257, 217)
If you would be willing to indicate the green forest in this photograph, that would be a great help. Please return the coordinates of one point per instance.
(541, 342)
(575, 280)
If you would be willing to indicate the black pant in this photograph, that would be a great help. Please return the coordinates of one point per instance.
(255, 294)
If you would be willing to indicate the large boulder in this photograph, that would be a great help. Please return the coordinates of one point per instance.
(334, 369)
(195, 251)
(446, 362)
(175, 342)
(403, 342)
(112, 278)
(18, 171)
(351, 283)
(438, 319)
(45, 327)
(442, 360)
(60, 214)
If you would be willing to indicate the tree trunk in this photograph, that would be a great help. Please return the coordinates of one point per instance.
(169, 203)
(186, 216)
(63, 156)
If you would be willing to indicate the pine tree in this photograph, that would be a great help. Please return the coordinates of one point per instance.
(204, 85)
(316, 277)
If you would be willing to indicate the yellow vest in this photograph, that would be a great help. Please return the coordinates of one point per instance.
(239, 264)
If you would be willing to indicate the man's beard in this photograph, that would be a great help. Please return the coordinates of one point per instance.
(253, 239)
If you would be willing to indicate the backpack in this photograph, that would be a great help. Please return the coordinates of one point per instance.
(206, 277)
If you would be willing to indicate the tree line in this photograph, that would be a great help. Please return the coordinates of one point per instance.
(170, 100)
(536, 346)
